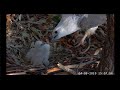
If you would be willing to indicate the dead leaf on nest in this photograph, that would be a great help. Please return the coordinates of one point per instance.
(25, 34)
(36, 31)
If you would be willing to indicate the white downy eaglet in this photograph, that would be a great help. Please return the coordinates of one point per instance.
(39, 55)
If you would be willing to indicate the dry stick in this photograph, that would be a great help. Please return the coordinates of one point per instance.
(21, 73)
(32, 70)
(53, 70)
(81, 42)
(96, 53)
(17, 22)
(94, 56)
(29, 22)
(11, 71)
(34, 36)
(81, 65)
(28, 16)
(87, 47)
(18, 18)
(66, 69)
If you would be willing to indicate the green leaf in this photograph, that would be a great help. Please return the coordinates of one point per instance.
(56, 18)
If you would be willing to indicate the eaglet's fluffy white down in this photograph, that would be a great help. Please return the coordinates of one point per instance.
(39, 55)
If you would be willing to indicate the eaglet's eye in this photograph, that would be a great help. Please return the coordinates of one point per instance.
(56, 32)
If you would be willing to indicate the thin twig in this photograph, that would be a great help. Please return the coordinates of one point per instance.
(81, 65)
(25, 72)
(94, 56)
(20, 73)
(66, 69)
(29, 22)
(53, 70)
(87, 47)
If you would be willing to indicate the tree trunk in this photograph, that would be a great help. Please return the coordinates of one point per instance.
(107, 61)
